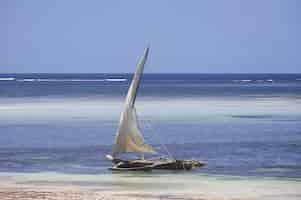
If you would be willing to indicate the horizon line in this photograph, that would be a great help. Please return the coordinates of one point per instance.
(150, 73)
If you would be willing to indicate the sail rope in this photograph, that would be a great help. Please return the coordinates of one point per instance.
(153, 131)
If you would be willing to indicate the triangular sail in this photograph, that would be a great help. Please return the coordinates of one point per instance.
(128, 136)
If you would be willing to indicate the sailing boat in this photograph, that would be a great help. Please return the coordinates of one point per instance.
(129, 138)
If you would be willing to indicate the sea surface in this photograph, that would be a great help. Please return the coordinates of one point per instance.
(242, 125)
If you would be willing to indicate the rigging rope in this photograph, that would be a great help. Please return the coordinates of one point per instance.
(151, 128)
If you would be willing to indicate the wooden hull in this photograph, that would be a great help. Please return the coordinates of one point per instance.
(144, 168)
(178, 165)
(159, 164)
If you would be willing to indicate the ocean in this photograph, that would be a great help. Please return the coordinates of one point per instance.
(242, 125)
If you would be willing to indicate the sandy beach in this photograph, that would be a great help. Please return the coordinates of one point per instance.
(78, 194)
(122, 186)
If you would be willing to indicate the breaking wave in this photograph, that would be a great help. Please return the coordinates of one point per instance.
(116, 79)
(58, 80)
(7, 78)
(254, 81)
(65, 80)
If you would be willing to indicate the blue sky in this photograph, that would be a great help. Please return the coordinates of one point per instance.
(229, 36)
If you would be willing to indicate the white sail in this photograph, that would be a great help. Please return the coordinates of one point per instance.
(128, 136)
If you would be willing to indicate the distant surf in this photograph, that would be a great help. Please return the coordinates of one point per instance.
(58, 80)
(65, 80)
(253, 81)
(116, 79)
(7, 78)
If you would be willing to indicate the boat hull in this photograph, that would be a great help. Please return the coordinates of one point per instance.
(159, 164)
(143, 168)
(178, 165)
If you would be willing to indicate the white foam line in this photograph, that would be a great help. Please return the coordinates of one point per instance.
(59, 80)
(69, 80)
(244, 80)
(26, 80)
(116, 79)
(7, 79)
(257, 81)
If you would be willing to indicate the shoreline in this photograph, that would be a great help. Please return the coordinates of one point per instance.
(55, 186)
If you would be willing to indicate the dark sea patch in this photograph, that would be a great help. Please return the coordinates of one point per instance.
(253, 116)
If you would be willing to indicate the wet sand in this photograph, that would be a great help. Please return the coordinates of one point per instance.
(79, 195)
(53, 186)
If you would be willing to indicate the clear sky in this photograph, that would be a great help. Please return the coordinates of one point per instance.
(230, 36)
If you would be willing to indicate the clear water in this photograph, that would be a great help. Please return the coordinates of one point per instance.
(241, 124)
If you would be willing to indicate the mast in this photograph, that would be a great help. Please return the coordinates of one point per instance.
(128, 136)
